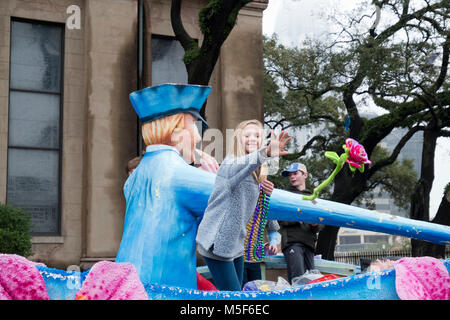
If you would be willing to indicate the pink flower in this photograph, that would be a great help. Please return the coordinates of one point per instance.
(357, 153)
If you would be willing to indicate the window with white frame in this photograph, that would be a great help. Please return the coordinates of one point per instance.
(35, 122)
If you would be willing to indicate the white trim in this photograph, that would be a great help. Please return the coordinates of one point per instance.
(47, 240)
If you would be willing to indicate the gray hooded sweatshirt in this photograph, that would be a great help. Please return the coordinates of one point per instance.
(232, 202)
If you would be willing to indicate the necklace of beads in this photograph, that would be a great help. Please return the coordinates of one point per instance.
(253, 244)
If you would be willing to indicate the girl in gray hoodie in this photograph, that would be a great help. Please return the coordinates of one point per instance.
(221, 233)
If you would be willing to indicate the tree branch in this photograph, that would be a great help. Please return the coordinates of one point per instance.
(177, 25)
(405, 18)
(379, 127)
(444, 66)
(296, 155)
(405, 7)
(389, 160)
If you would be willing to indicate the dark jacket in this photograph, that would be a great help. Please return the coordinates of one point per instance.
(296, 232)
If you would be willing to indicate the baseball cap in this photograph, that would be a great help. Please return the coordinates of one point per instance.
(294, 167)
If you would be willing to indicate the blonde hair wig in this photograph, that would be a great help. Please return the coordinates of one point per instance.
(160, 131)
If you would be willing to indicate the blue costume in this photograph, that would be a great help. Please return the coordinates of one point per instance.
(162, 217)
(165, 197)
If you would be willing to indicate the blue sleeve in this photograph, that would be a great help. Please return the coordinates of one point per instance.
(237, 169)
(193, 187)
(272, 225)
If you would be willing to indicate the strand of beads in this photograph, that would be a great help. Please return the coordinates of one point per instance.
(253, 244)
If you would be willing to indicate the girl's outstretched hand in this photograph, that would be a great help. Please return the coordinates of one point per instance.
(277, 144)
(267, 187)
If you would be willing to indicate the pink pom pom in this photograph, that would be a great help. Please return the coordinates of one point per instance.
(20, 279)
(120, 281)
(423, 278)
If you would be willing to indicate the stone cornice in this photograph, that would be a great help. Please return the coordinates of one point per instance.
(258, 4)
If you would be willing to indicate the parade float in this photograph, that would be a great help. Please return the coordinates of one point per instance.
(166, 197)
(379, 285)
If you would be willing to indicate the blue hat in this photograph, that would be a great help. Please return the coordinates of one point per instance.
(167, 99)
(294, 167)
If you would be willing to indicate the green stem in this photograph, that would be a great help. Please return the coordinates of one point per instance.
(338, 168)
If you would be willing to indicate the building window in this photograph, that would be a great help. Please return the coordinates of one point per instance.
(167, 66)
(349, 239)
(35, 122)
(375, 239)
(167, 61)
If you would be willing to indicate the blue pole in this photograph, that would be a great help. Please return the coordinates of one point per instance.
(288, 206)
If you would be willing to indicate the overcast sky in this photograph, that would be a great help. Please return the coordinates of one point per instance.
(293, 20)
